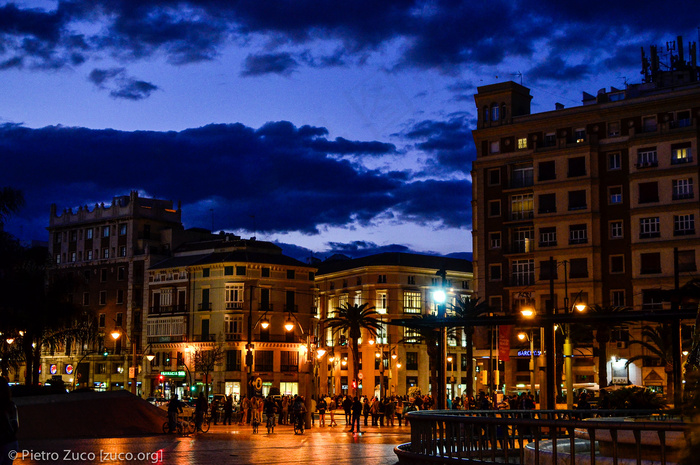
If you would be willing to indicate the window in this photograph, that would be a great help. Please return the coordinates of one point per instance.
(411, 360)
(681, 120)
(496, 303)
(649, 124)
(240, 271)
(683, 225)
(680, 153)
(102, 320)
(88, 254)
(550, 139)
(523, 272)
(686, 261)
(580, 135)
(649, 228)
(73, 236)
(548, 237)
(122, 229)
(263, 360)
(522, 143)
(234, 295)
(578, 268)
(651, 263)
(233, 326)
(291, 274)
(577, 200)
(547, 271)
(648, 192)
(289, 361)
(233, 360)
(495, 114)
(546, 171)
(682, 189)
(105, 231)
(265, 272)
(121, 273)
(495, 240)
(615, 195)
(494, 177)
(547, 203)
(86, 298)
(122, 251)
(614, 161)
(411, 336)
(411, 280)
(523, 240)
(521, 176)
(73, 256)
(58, 259)
(103, 275)
(647, 158)
(494, 208)
(577, 167)
(617, 264)
(120, 296)
(382, 302)
(88, 233)
(381, 279)
(521, 207)
(578, 234)
(495, 273)
(618, 298)
(614, 129)
(495, 147)
(105, 252)
(486, 114)
(411, 302)
(228, 271)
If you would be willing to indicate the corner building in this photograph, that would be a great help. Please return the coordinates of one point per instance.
(606, 189)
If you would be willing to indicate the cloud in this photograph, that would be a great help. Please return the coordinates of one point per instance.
(281, 173)
(121, 85)
(271, 63)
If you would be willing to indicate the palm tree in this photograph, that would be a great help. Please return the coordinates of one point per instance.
(351, 319)
(11, 200)
(426, 332)
(659, 341)
(468, 309)
(603, 331)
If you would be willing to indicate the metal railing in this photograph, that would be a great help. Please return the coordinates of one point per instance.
(537, 437)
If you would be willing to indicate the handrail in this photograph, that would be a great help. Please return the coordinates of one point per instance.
(539, 436)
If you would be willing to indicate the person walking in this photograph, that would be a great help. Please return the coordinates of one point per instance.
(365, 409)
(332, 407)
(390, 410)
(374, 410)
(9, 424)
(174, 406)
(245, 407)
(284, 416)
(356, 409)
(312, 409)
(322, 406)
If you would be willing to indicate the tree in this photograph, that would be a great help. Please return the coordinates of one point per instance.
(351, 319)
(468, 309)
(659, 341)
(205, 360)
(11, 200)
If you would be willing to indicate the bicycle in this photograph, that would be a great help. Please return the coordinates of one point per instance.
(270, 424)
(299, 424)
(206, 424)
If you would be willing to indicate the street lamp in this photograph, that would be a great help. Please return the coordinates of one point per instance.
(440, 298)
(569, 351)
(523, 336)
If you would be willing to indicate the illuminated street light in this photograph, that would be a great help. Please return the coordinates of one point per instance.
(289, 324)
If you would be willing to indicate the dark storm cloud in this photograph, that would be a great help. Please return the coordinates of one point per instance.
(120, 84)
(279, 173)
(556, 69)
(270, 63)
(450, 142)
(444, 34)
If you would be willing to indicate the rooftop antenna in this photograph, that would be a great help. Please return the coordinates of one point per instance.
(520, 75)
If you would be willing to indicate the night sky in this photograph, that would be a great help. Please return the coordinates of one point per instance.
(335, 126)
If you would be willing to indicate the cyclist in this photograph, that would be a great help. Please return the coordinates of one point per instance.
(174, 406)
(299, 410)
(270, 409)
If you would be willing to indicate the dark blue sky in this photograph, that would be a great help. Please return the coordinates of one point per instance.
(340, 126)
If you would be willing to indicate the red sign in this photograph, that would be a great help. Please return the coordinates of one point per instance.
(53, 369)
(69, 369)
(504, 342)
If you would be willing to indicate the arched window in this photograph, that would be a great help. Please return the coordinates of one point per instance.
(494, 112)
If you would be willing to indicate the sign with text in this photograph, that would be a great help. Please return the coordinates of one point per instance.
(504, 342)
(170, 374)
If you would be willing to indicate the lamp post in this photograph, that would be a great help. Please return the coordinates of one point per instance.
(116, 334)
(523, 336)
(440, 298)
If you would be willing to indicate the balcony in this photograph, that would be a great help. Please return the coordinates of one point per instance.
(234, 337)
(647, 164)
(291, 308)
(682, 195)
(168, 309)
(234, 305)
(204, 338)
(204, 306)
(522, 215)
(266, 308)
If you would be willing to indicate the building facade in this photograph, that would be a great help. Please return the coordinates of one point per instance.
(593, 201)
(230, 298)
(398, 286)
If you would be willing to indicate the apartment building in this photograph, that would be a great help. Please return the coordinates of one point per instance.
(597, 201)
(397, 285)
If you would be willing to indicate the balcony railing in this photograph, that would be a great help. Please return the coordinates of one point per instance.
(204, 337)
(522, 215)
(291, 308)
(204, 306)
(234, 305)
(234, 337)
(266, 308)
(168, 309)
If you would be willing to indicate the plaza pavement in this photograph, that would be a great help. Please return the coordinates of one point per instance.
(227, 445)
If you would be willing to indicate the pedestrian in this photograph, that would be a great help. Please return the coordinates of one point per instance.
(270, 409)
(390, 410)
(245, 406)
(347, 407)
(382, 411)
(200, 409)
(174, 406)
(9, 424)
(365, 409)
(356, 409)
(332, 407)
(228, 409)
(284, 416)
(312, 409)
(322, 406)
(214, 409)
(399, 409)
(374, 410)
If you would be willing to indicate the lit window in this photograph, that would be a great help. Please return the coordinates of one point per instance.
(681, 155)
(522, 143)
(615, 195)
(411, 302)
